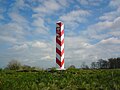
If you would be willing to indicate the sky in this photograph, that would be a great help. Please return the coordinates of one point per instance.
(27, 31)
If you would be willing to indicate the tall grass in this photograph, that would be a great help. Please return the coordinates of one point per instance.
(72, 79)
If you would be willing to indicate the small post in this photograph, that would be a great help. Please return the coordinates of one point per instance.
(60, 45)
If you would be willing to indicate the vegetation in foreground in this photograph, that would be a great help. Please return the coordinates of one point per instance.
(70, 79)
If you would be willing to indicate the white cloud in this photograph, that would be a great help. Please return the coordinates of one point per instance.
(111, 40)
(116, 23)
(85, 52)
(15, 17)
(16, 32)
(75, 49)
(70, 42)
(115, 29)
(63, 3)
(98, 30)
(83, 2)
(107, 33)
(39, 23)
(46, 58)
(19, 4)
(107, 16)
(1, 17)
(103, 30)
(89, 3)
(19, 47)
(111, 15)
(114, 3)
(39, 44)
(47, 7)
(74, 18)
(108, 47)
(43, 10)
(16, 29)
(37, 53)
(12, 32)
(52, 5)
(30, 44)
(74, 15)
(101, 26)
(7, 39)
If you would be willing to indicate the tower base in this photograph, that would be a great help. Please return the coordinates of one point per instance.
(60, 68)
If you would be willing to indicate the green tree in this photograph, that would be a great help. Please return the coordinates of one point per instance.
(26, 67)
(13, 65)
(84, 66)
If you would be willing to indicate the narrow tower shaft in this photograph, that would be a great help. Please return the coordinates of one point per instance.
(60, 45)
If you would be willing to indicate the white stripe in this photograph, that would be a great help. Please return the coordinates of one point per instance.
(62, 57)
(59, 39)
(57, 65)
(62, 27)
(57, 25)
(59, 58)
(62, 66)
(62, 37)
(60, 47)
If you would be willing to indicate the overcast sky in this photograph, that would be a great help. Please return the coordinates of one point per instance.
(27, 31)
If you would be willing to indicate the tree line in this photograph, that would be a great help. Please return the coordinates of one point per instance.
(111, 63)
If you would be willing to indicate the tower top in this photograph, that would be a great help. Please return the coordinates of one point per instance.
(59, 23)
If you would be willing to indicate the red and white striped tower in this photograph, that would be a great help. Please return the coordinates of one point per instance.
(60, 45)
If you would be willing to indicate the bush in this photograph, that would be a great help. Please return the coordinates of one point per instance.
(0, 69)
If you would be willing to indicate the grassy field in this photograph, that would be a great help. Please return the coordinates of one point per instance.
(71, 79)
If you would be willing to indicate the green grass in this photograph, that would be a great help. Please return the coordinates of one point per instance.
(72, 79)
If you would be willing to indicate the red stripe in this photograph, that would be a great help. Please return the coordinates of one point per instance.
(59, 42)
(59, 62)
(62, 52)
(62, 62)
(62, 42)
(62, 33)
(59, 52)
